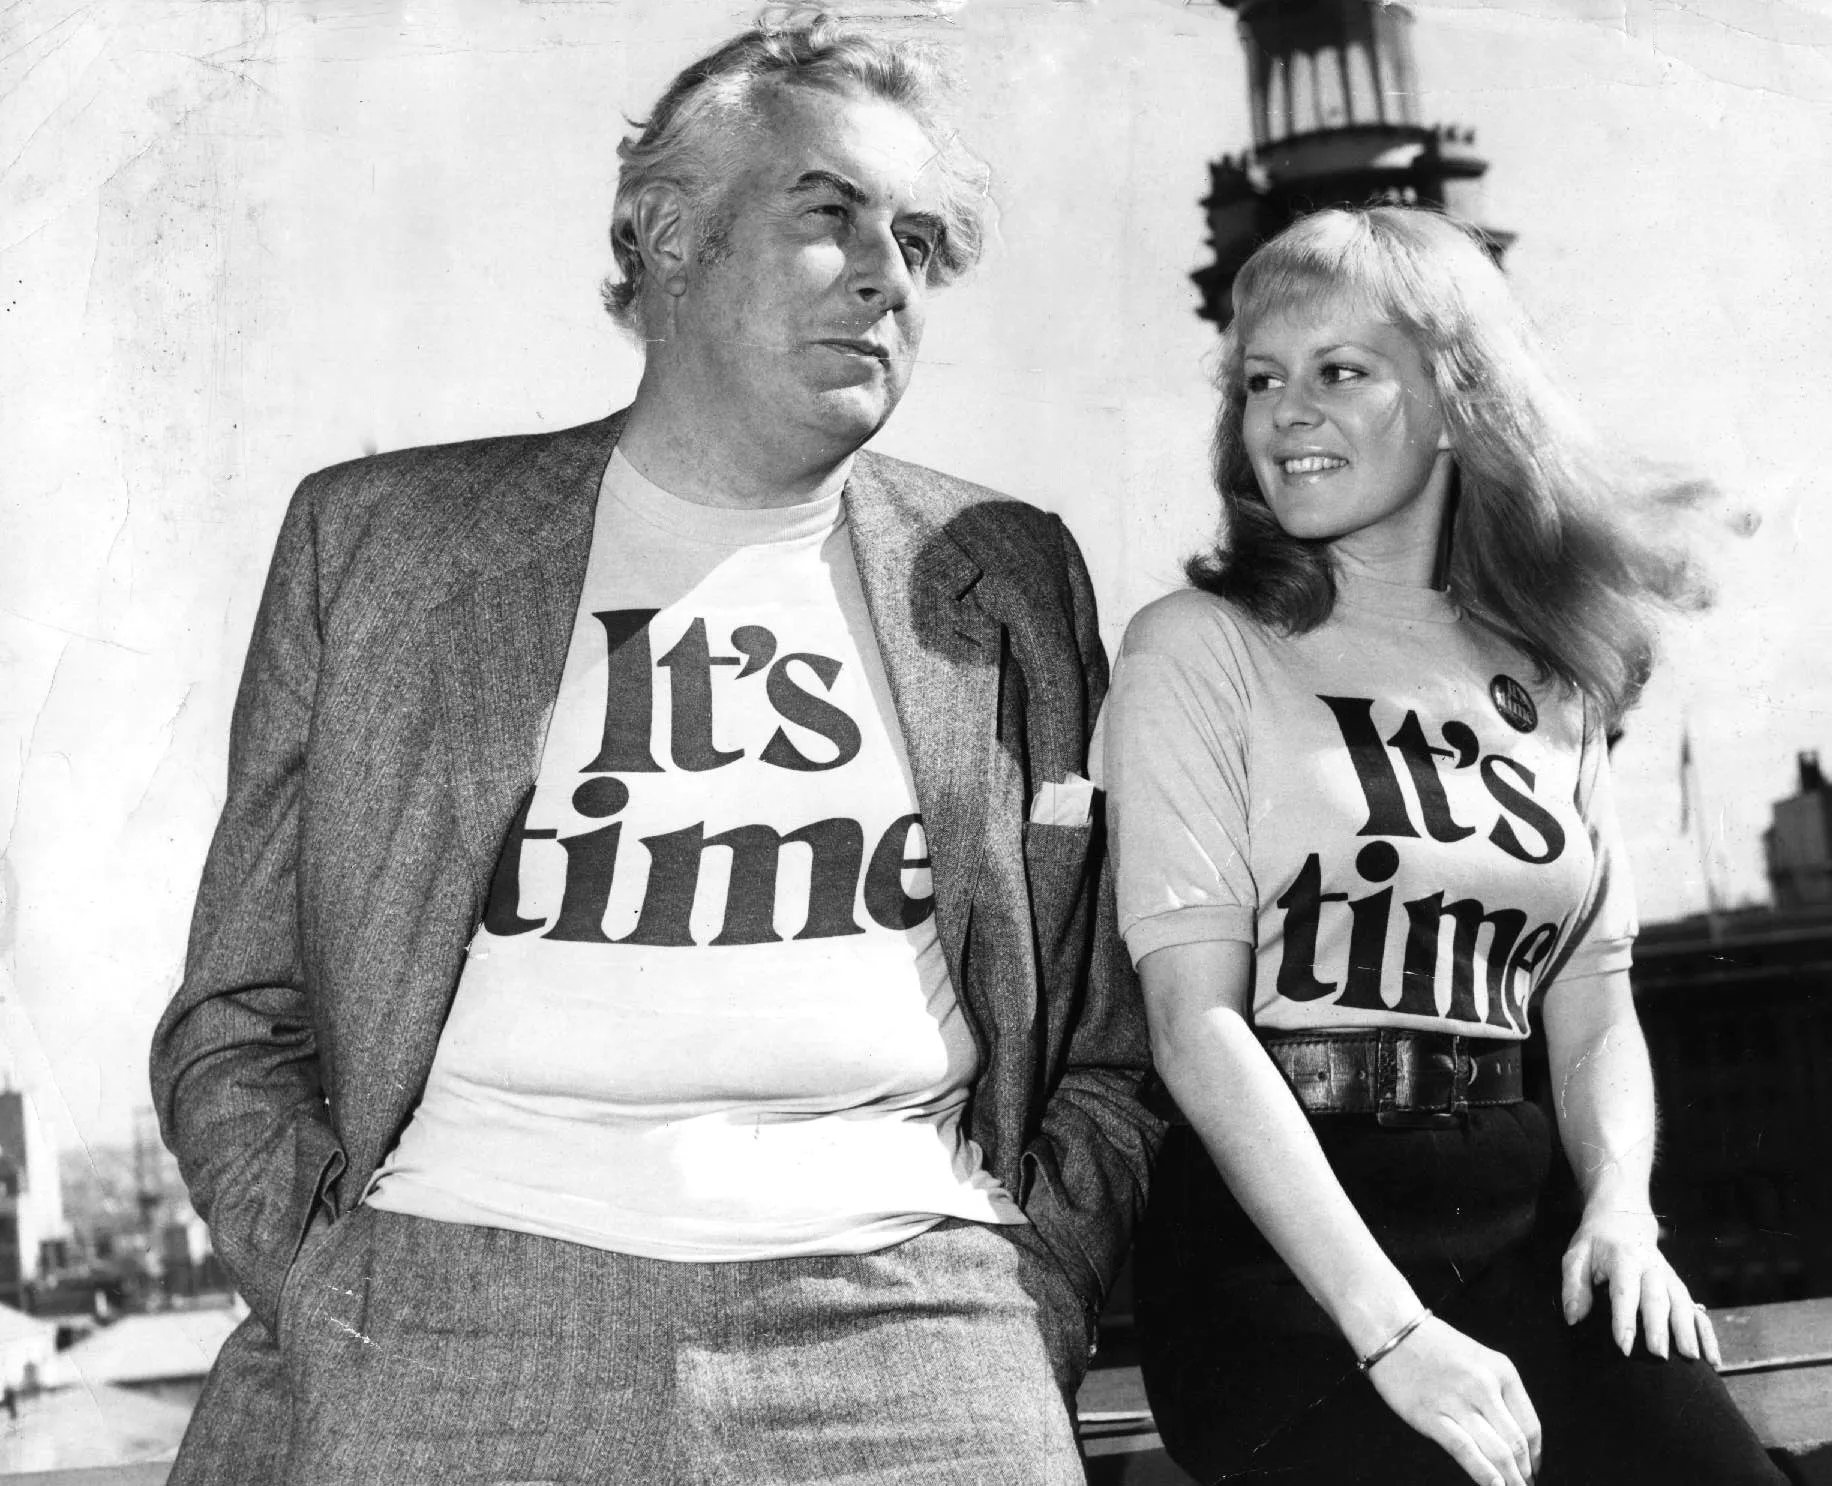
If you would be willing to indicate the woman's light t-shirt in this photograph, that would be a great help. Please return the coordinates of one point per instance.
(1356, 803)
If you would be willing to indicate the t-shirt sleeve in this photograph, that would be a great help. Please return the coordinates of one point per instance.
(1172, 758)
(1603, 936)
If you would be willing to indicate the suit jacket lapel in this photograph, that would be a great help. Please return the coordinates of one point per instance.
(944, 655)
(502, 634)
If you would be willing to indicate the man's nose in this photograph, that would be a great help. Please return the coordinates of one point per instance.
(881, 275)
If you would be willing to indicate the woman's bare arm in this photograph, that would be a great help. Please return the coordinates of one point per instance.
(1603, 1092)
(1464, 1396)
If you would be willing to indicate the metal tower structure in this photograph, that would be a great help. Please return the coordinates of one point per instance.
(1334, 96)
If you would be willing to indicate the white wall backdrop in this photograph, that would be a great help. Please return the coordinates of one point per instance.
(241, 239)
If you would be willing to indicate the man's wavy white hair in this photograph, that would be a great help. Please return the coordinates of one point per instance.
(694, 138)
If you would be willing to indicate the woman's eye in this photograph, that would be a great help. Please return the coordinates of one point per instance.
(1261, 382)
(917, 251)
(1336, 373)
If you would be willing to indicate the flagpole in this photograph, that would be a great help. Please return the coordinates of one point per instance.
(1692, 803)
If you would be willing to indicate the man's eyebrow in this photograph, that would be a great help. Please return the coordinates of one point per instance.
(929, 222)
(810, 181)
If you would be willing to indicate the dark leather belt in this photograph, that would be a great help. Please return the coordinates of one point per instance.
(1405, 1079)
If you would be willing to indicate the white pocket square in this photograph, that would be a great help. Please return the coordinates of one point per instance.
(1070, 803)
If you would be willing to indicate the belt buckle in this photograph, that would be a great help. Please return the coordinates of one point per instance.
(1423, 1119)
(1453, 1115)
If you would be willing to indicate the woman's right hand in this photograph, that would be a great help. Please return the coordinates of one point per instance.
(1452, 1390)
(1467, 1398)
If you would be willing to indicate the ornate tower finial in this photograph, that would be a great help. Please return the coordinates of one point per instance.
(1335, 122)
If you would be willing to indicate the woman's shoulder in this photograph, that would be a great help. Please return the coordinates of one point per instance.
(1192, 626)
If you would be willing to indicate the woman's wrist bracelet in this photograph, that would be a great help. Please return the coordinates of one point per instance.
(1393, 1341)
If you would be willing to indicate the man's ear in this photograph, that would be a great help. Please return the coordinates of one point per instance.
(662, 228)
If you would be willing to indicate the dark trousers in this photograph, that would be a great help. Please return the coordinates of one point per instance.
(1250, 1381)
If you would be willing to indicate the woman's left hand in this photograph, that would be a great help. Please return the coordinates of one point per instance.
(1622, 1250)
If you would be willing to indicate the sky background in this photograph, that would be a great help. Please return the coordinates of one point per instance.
(243, 240)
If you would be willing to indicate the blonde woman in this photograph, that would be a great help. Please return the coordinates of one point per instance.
(1361, 807)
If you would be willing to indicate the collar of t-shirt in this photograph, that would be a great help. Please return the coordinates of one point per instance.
(717, 526)
(1396, 600)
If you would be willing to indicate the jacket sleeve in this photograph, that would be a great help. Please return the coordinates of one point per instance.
(1086, 1173)
(235, 1068)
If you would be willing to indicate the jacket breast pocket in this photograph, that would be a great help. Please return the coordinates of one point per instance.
(1043, 842)
(1057, 870)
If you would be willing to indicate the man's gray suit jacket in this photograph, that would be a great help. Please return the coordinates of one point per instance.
(408, 647)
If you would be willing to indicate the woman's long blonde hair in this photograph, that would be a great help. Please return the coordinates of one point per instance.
(1551, 547)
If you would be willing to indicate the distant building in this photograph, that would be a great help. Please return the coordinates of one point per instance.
(31, 1198)
(1334, 98)
(28, 1348)
(1737, 1006)
(136, 1241)
(1798, 844)
(165, 1356)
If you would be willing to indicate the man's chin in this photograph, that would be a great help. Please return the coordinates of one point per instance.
(851, 415)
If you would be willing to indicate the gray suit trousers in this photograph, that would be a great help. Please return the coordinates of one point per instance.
(420, 1351)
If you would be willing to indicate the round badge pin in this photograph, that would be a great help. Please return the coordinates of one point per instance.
(1513, 703)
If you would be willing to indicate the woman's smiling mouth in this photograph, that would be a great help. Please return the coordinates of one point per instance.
(1312, 464)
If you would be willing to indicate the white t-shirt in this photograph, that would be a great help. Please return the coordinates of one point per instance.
(707, 1015)
(1356, 803)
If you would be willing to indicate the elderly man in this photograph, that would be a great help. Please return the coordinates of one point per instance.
(653, 1011)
